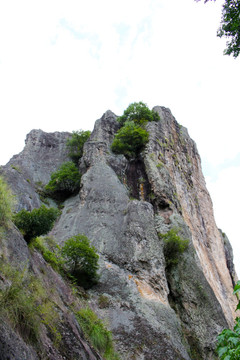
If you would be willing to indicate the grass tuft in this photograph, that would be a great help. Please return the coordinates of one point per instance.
(97, 334)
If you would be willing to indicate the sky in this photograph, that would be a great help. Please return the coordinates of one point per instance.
(64, 63)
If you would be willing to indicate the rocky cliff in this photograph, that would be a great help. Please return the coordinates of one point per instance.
(153, 311)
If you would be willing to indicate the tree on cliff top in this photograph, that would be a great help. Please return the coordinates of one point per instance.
(131, 139)
(139, 113)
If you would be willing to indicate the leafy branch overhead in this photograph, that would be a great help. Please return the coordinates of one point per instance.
(230, 26)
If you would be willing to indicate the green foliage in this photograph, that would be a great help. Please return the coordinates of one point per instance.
(230, 26)
(64, 182)
(139, 113)
(24, 302)
(81, 260)
(6, 203)
(130, 140)
(96, 332)
(173, 246)
(37, 222)
(16, 302)
(228, 345)
(132, 137)
(75, 144)
(16, 168)
(76, 259)
(50, 251)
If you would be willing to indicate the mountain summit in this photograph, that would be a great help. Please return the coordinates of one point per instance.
(158, 301)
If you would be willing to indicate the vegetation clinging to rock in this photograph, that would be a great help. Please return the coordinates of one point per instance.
(130, 140)
(36, 222)
(75, 144)
(174, 245)
(50, 251)
(25, 303)
(76, 259)
(64, 182)
(6, 203)
(81, 260)
(97, 333)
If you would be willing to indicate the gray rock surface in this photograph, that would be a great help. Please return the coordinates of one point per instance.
(229, 257)
(32, 168)
(12, 345)
(154, 312)
(15, 252)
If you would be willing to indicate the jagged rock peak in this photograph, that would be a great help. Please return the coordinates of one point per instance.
(43, 153)
(123, 205)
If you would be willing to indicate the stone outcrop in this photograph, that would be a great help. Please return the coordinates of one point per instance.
(14, 251)
(28, 171)
(154, 311)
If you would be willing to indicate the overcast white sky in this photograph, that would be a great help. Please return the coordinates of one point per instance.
(64, 63)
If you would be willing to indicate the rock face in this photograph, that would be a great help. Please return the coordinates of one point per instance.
(14, 251)
(154, 311)
(28, 171)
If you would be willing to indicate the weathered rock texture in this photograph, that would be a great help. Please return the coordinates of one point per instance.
(14, 251)
(154, 312)
(32, 168)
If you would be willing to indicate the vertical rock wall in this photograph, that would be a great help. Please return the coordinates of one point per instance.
(155, 312)
(183, 163)
(187, 306)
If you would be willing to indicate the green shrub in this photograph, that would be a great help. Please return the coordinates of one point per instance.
(81, 260)
(96, 332)
(228, 345)
(64, 182)
(37, 222)
(139, 113)
(173, 246)
(50, 251)
(75, 144)
(130, 140)
(6, 203)
(24, 302)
